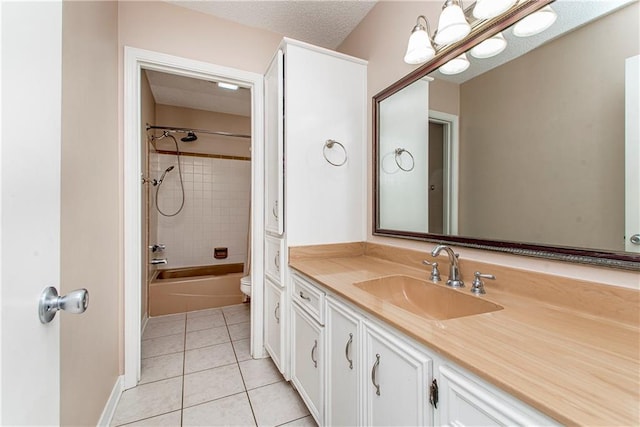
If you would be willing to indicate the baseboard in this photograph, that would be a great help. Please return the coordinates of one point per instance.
(112, 403)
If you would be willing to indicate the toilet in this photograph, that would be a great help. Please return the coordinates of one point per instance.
(245, 285)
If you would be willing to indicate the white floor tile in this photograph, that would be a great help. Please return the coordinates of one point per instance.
(171, 419)
(259, 372)
(207, 312)
(240, 331)
(240, 316)
(207, 337)
(276, 404)
(163, 329)
(229, 411)
(148, 400)
(236, 308)
(242, 349)
(205, 322)
(307, 421)
(208, 357)
(212, 384)
(162, 345)
(161, 367)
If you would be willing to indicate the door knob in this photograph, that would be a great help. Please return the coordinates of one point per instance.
(75, 302)
(635, 239)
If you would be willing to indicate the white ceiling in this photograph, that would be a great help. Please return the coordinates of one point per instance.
(322, 23)
(572, 14)
(179, 91)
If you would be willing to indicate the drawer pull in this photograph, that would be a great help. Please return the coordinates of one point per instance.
(374, 374)
(313, 353)
(303, 296)
(276, 261)
(276, 312)
(347, 351)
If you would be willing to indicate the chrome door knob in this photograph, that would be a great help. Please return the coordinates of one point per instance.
(75, 302)
(635, 239)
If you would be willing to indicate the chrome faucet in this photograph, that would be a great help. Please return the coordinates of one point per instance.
(455, 281)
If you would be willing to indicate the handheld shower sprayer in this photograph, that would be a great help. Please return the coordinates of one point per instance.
(159, 181)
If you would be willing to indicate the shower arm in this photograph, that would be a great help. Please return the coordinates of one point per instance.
(187, 130)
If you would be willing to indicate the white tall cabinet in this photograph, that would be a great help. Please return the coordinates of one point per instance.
(315, 115)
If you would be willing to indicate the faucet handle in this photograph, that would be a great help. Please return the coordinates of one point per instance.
(477, 287)
(435, 273)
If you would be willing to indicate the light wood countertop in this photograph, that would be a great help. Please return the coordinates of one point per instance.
(575, 355)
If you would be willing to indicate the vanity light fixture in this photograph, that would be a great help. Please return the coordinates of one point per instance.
(490, 47)
(487, 9)
(535, 23)
(228, 86)
(452, 25)
(456, 65)
(420, 48)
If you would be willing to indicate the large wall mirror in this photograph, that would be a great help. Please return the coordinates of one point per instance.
(523, 152)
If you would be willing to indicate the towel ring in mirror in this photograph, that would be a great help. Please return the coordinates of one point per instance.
(398, 157)
(329, 144)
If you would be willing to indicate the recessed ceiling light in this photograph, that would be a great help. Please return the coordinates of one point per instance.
(229, 86)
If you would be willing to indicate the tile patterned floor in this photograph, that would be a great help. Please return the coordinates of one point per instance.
(197, 371)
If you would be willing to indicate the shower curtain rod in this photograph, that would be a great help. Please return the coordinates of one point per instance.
(187, 130)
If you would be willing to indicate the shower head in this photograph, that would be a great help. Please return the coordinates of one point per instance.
(191, 136)
(169, 169)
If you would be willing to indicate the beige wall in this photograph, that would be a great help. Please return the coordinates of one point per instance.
(175, 30)
(167, 115)
(90, 204)
(381, 39)
(540, 159)
(149, 216)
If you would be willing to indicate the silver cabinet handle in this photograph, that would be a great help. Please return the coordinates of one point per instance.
(303, 296)
(276, 261)
(313, 351)
(374, 374)
(635, 239)
(75, 302)
(274, 211)
(276, 312)
(347, 351)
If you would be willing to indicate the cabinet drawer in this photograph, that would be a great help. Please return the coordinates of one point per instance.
(274, 259)
(309, 297)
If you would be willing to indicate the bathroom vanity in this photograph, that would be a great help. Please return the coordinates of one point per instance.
(535, 356)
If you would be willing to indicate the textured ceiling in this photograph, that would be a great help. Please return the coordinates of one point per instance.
(572, 14)
(179, 91)
(322, 23)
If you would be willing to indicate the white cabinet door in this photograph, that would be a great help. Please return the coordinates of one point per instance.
(274, 260)
(325, 97)
(274, 145)
(307, 368)
(466, 401)
(343, 365)
(273, 322)
(396, 389)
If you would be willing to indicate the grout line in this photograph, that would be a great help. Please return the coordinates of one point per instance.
(161, 336)
(160, 355)
(147, 418)
(297, 419)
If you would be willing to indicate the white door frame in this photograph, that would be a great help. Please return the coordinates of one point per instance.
(450, 168)
(134, 61)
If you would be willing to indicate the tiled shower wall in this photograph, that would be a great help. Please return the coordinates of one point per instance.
(216, 209)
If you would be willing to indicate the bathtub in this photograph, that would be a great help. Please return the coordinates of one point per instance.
(179, 290)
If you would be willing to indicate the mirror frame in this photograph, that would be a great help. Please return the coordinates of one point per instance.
(480, 32)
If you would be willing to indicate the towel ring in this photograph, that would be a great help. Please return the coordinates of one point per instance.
(329, 144)
(399, 152)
